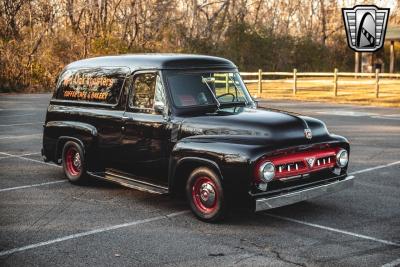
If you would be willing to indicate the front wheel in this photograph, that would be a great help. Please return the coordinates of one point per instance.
(74, 163)
(205, 194)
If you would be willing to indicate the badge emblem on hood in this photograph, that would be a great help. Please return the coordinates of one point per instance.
(308, 133)
(310, 162)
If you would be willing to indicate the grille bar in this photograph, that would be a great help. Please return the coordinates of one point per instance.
(303, 162)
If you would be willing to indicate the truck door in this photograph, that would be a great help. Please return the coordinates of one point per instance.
(145, 132)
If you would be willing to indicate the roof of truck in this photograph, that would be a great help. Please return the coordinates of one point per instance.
(155, 61)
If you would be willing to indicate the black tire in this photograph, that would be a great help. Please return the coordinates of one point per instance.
(200, 186)
(74, 173)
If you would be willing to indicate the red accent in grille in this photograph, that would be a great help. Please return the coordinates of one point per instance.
(297, 163)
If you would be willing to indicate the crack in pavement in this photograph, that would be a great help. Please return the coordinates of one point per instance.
(277, 254)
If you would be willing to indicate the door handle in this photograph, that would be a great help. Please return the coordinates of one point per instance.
(124, 118)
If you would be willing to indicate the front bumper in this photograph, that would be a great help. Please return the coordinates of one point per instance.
(304, 194)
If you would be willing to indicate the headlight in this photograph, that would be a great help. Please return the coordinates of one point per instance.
(267, 171)
(342, 158)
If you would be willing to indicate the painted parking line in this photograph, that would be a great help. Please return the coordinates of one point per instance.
(388, 117)
(18, 115)
(23, 109)
(343, 231)
(32, 185)
(114, 227)
(92, 232)
(29, 159)
(375, 168)
(392, 264)
(347, 113)
(22, 155)
(28, 136)
(20, 124)
(386, 242)
(350, 113)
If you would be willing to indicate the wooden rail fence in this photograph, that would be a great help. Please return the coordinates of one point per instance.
(335, 77)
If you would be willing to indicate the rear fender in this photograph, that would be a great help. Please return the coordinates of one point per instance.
(57, 133)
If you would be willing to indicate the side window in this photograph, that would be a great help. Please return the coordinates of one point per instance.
(99, 85)
(147, 91)
(160, 93)
(143, 87)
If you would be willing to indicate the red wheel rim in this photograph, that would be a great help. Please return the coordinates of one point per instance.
(73, 161)
(205, 195)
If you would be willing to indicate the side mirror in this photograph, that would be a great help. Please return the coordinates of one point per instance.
(256, 102)
(159, 107)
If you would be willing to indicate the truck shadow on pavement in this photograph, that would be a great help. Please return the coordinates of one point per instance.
(239, 214)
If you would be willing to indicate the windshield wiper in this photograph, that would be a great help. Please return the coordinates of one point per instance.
(233, 104)
(204, 80)
(237, 89)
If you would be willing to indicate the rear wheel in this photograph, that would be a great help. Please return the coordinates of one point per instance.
(74, 163)
(205, 194)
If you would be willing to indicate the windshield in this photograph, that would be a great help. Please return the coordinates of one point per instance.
(207, 88)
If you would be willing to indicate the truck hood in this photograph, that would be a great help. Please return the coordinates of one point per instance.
(259, 124)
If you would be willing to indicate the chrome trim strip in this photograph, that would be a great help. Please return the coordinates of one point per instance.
(297, 196)
(291, 178)
(125, 182)
(108, 174)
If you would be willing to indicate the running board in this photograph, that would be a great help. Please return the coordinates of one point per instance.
(135, 182)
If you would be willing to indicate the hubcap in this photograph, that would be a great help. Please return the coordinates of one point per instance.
(73, 161)
(77, 160)
(205, 195)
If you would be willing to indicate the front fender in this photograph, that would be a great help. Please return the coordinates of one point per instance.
(230, 160)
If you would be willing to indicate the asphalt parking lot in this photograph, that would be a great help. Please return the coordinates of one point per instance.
(45, 221)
